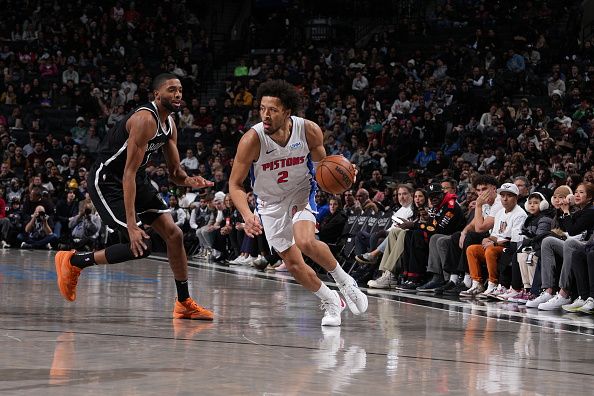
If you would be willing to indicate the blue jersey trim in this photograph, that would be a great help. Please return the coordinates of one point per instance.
(313, 184)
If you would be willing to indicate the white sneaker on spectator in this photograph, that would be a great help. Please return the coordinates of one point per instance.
(4, 245)
(237, 260)
(588, 307)
(248, 260)
(281, 268)
(499, 291)
(574, 306)
(476, 288)
(544, 297)
(332, 310)
(386, 281)
(491, 288)
(511, 293)
(554, 303)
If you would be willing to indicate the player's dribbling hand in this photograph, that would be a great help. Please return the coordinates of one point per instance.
(137, 237)
(197, 182)
(355, 171)
(252, 226)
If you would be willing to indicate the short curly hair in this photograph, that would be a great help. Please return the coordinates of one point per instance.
(287, 93)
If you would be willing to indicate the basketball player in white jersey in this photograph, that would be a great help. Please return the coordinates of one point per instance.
(280, 154)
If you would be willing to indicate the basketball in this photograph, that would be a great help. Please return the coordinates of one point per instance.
(335, 174)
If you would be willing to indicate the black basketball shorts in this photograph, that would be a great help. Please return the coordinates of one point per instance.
(107, 193)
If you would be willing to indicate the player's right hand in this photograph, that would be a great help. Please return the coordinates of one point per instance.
(252, 226)
(137, 237)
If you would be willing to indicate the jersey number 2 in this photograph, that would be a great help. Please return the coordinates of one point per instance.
(282, 177)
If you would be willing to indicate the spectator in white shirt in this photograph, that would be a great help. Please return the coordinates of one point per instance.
(190, 162)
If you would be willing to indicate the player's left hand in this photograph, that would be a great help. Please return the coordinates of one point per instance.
(197, 182)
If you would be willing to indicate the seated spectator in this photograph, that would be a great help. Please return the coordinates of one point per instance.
(424, 156)
(65, 210)
(178, 214)
(85, 226)
(330, 229)
(577, 223)
(506, 231)
(536, 227)
(14, 226)
(38, 232)
(393, 246)
(364, 201)
(443, 217)
(190, 162)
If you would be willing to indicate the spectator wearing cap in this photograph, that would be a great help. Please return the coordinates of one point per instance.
(65, 209)
(444, 217)
(504, 234)
(63, 164)
(79, 131)
(49, 162)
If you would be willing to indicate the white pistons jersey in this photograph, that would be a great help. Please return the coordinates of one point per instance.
(282, 171)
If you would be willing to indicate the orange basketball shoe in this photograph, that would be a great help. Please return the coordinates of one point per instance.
(67, 274)
(189, 309)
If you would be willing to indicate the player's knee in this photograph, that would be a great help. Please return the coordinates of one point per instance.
(174, 236)
(306, 245)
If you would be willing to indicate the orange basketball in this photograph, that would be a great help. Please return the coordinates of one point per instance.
(335, 174)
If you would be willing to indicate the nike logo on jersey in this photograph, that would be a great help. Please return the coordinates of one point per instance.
(270, 151)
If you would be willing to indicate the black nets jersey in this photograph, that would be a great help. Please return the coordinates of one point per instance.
(113, 150)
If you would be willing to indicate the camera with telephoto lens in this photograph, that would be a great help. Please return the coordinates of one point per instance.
(87, 212)
(41, 215)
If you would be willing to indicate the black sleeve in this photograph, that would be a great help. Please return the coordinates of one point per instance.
(579, 222)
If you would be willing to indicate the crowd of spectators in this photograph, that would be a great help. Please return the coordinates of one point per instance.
(508, 99)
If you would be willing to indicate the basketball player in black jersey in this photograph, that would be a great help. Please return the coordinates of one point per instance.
(125, 199)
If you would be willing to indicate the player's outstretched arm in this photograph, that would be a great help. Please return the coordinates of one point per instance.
(176, 174)
(248, 151)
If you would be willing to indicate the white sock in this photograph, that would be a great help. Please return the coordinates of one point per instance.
(467, 280)
(339, 275)
(454, 278)
(324, 293)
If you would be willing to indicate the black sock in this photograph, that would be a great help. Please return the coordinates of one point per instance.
(83, 260)
(182, 290)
